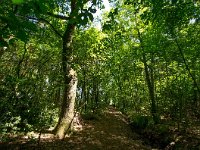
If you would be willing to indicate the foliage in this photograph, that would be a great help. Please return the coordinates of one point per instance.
(144, 61)
(141, 122)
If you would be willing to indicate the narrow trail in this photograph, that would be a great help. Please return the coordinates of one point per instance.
(109, 132)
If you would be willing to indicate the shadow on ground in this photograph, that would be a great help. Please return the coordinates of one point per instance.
(110, 132)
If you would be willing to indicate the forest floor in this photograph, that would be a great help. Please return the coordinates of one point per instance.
(109, 131)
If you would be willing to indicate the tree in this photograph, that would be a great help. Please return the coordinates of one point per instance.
(42, 14)
(69, 75)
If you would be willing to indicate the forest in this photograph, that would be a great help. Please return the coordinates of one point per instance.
(132, 71)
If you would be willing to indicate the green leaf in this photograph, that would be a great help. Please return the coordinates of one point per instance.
(22, 35)
(90, 16)
(82, 19)
(17, 1)
(107, 27)
(92, 10)
(3, 43)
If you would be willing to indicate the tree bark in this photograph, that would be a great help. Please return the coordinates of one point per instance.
(150, 85)
(67, 109)
(150, 82)
(70, 79)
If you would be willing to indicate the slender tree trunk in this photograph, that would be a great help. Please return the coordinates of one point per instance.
(70, 79)
(95, 93)
(84, 89)
(150, 85)
(186, 63)
(150, 82)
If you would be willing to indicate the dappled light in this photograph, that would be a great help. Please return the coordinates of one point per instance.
(100, 74)
(109, 131)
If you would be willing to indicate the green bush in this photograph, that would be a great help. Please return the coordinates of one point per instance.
(141, 122)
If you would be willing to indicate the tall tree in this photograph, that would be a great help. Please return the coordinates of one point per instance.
(69, 75)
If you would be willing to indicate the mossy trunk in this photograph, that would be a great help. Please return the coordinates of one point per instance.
(67, 110)
(70, 78)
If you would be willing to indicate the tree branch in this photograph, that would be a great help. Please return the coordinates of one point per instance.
(47, 22)
(58, 16)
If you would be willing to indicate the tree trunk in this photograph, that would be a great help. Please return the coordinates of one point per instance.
(150, 85)
(70, 79)
(186, 63)
(150, 82)
(85, 100)
(67, 109)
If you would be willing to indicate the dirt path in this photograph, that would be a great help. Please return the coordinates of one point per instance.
(109, 132)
